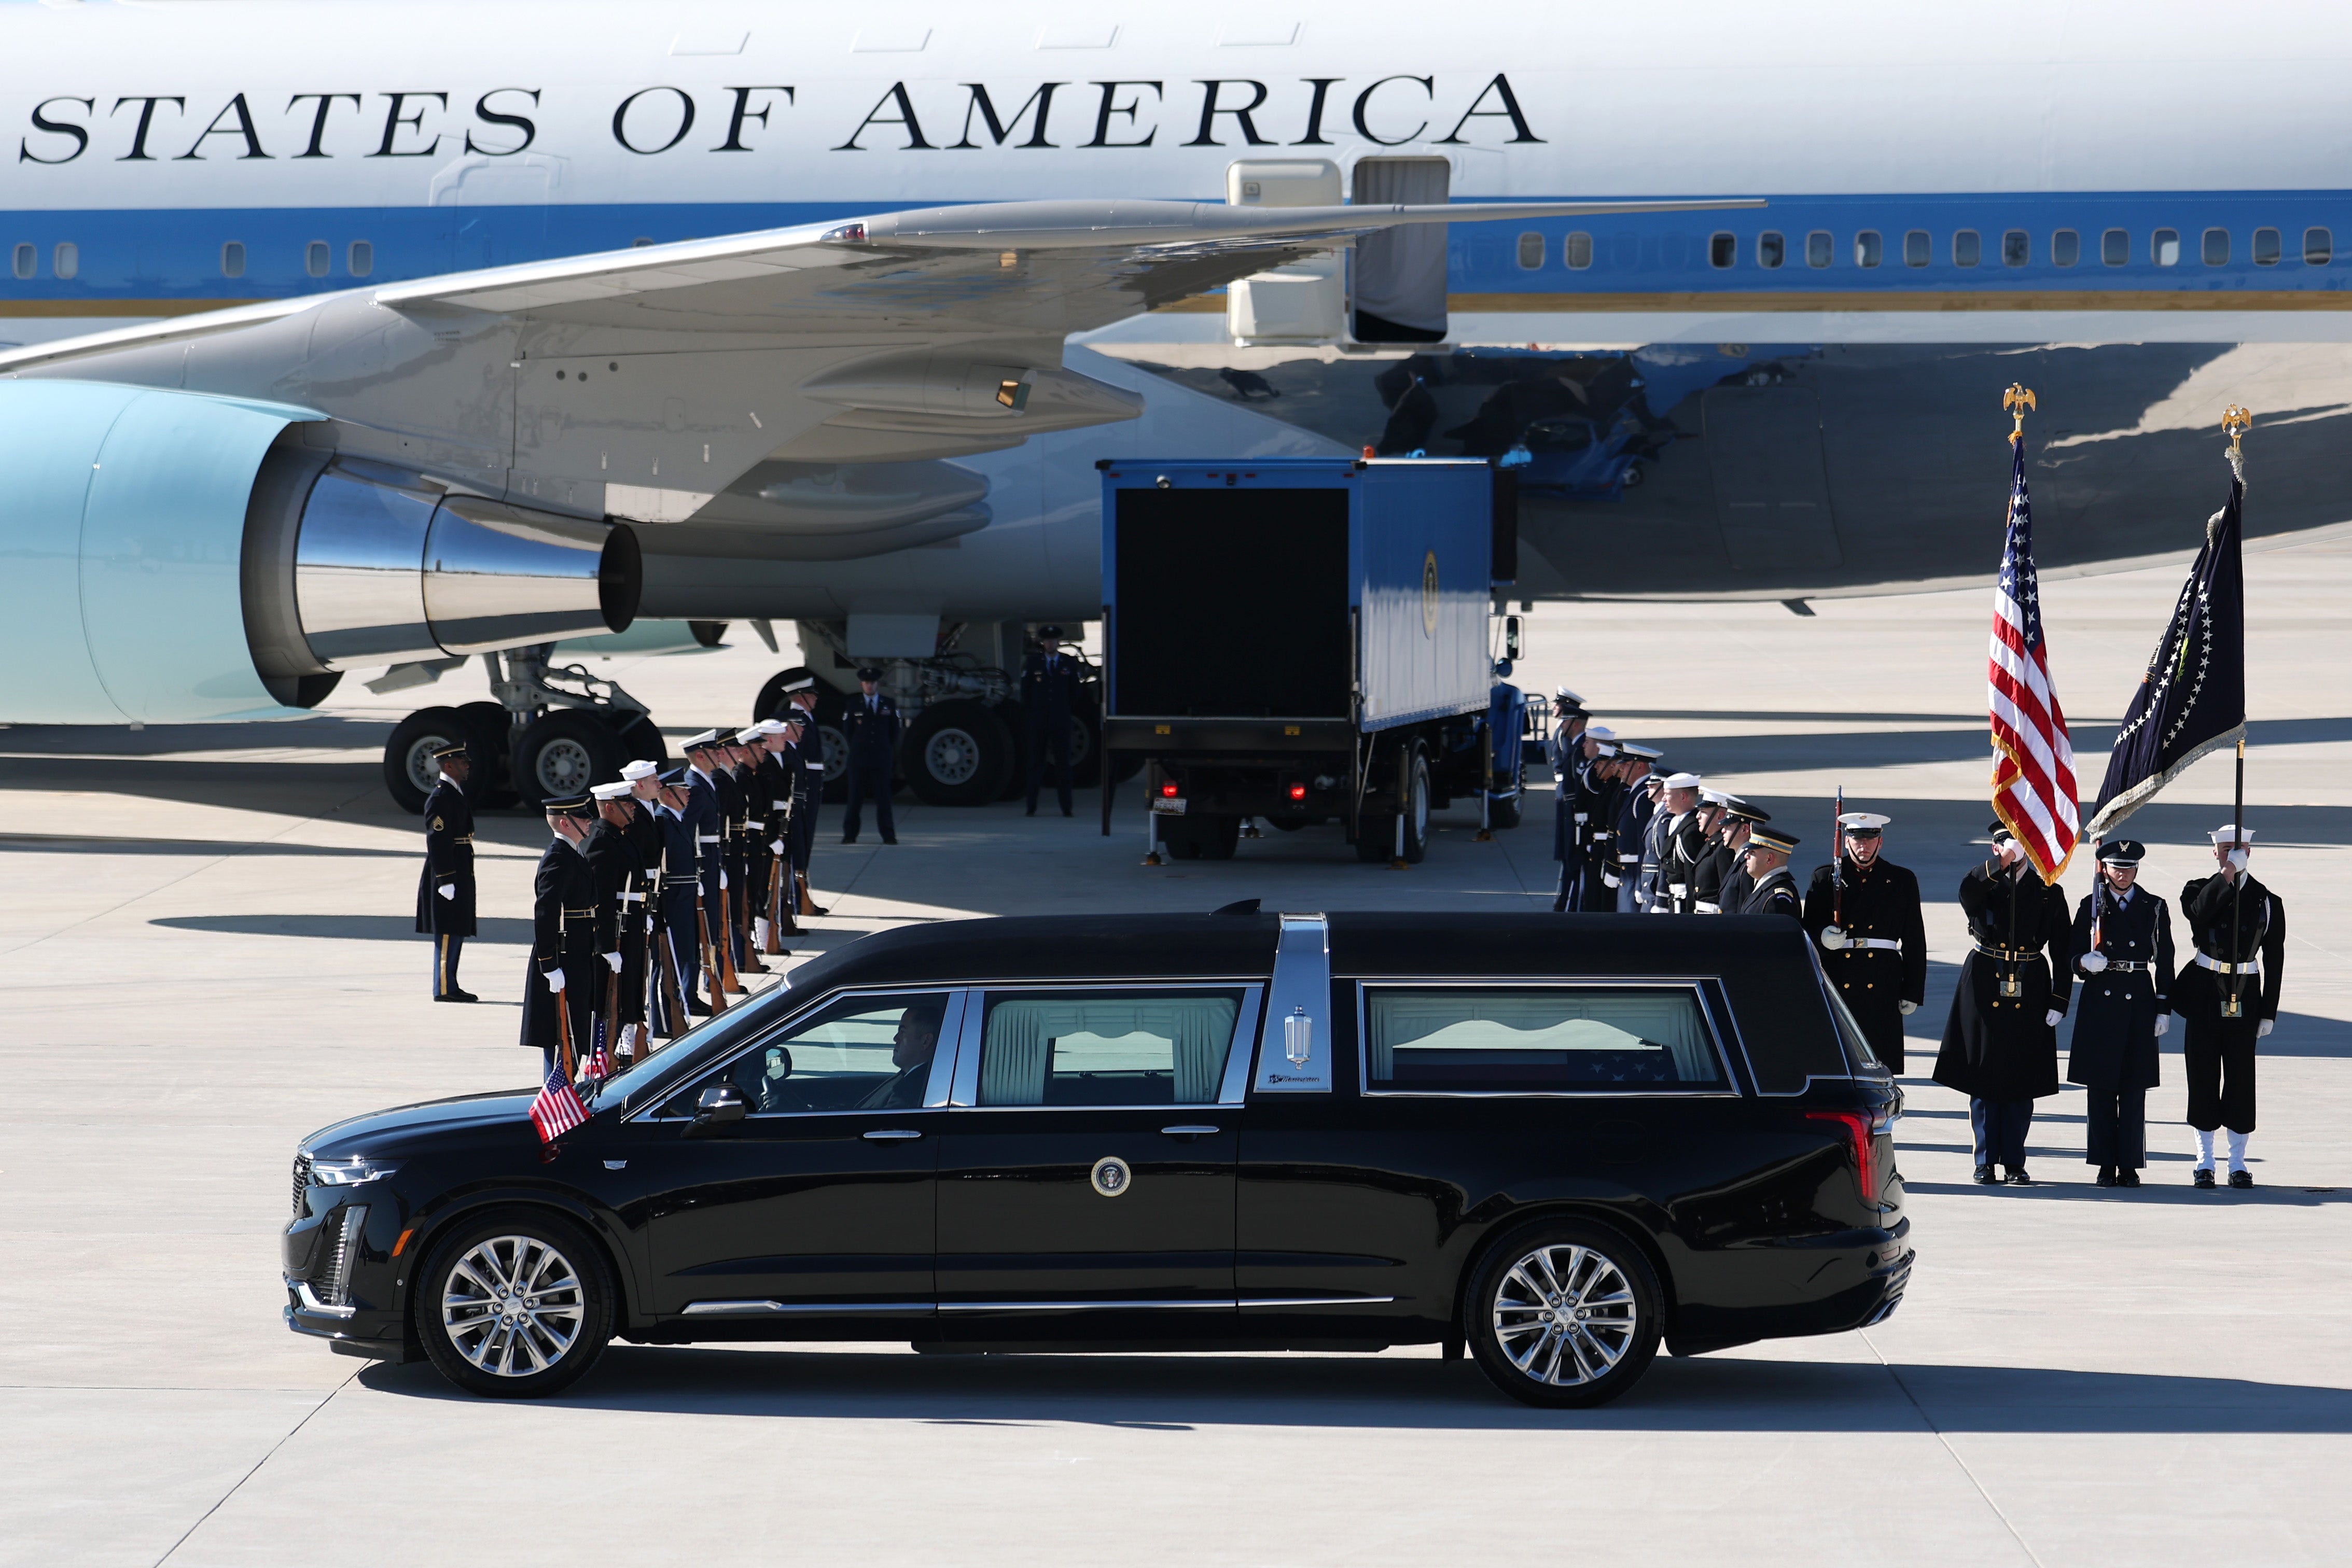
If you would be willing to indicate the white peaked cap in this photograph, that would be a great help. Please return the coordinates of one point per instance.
(640, 769)
(2231, 833)
(609, 792)
(1683, 780)
(1864, 820)
(746, 736)
(803, 684)
(1599, 732)
(768, 726)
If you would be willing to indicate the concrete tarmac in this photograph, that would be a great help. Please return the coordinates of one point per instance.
(206, 955)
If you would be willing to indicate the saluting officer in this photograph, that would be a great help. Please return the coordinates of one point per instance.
(1049, 691)
(1570, 756)
(2123, 950)
(870, 722)
(1774, 890)
(2000, 1042)
(613, 852)
(445, 893)
(1873, 934)
(1739, 821)
(564, 967)
(2239, 927)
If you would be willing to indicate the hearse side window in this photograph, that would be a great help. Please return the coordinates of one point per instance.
(2318, 248)
(859, 1052)
(1107, 1047)
(1536, 1039)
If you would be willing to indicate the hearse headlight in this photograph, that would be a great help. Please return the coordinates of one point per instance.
(351, 1172)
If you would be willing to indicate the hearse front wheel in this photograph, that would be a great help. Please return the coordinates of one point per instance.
(1562, 1314)
(515, 1306)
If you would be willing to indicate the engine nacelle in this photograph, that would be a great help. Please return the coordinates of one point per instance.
(176, 558)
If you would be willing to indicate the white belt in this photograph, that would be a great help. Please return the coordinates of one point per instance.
(632, 898)
(1679, 889)
(815, 767)
(1703, 907)
(2209, 962)
(1662, 907)
(779, 805)
(1629, 860)
(1879, 943)
(707, 839)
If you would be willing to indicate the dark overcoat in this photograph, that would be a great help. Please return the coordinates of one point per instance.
(563, 936)
(1997, 1047)
(448, 858)
(1880, 903)
(2115, 1021)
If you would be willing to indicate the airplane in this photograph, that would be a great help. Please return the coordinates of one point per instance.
(514, 322)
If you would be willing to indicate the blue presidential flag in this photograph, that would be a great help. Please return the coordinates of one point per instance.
(2192, 700)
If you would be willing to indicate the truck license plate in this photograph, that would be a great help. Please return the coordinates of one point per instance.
(1168, 805)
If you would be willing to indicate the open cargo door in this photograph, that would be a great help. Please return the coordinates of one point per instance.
(1400, 273)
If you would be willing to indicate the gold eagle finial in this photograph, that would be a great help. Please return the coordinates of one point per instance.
(2235, 422)
(2016, 401)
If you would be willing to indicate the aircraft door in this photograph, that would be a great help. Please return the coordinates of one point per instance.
(1401, 273)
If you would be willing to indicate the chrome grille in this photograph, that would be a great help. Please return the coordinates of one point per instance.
(301, 1181)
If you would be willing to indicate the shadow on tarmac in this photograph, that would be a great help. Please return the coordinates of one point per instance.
(489, 930)
(1186, 1392)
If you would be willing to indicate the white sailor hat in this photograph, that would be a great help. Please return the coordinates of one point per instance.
(1863, 821)
(694, 742)
(768, 726)
(1682, 781)
(1645, 753)
(1599, 732)
(2231, 833)
(1605, 748)
(747, 736)
(1720, 798)
(610, 791)
(803, 684)
(640, 769)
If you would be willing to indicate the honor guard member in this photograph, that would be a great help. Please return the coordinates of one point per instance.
(1706, 877)
(1774, 890)
(1658, 820)
(563, 949)
(771, 812)
(751, 899)
(445, 893)
(2239, 927)
(644, 779)
(2123, 950)
(703, 819)
(1049, 692)
(1682, 844)
(1740, 819)
(1636, 802)
(613, 853)
(870, 722)
(2000, 1042)
(1570, 756)
(808, 791)
(735, 805)
(1597, 796)
(679, 942)
(1864, 915)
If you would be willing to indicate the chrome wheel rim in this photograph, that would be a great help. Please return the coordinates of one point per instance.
(564, 767)
(423, 770)
(513, 1306)
(1565, 1315)
(952, 757)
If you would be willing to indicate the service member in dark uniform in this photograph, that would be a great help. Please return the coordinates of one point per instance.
(808, 789)
(1772, 890)
(771, 813)
(445, 893)
(704, 821)
(750, 895)
(1864, 913)
(1637, 802)
(564, 970)
(2000, 1042)
(870, 723)
(1570, 756)
(678, 941)
(644, 779)
(2123, 951)
(612, 852)
(1603, 796)
(1680, 845)
(1714, 890)
(1049, 693)
(2239, 927)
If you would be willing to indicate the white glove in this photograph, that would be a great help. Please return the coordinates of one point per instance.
(2093, 962)
(2053, 1019)
(760, 931)
(1833, 938)
(447, 890)
(776, 846)
(649, 924)
(2238, 860)
(614, 959)
(1909, 1007)
(2163, 1022)
(722, 881)
(2009, 850)
(2263, 1028)
(554, 978)
(1608, 880)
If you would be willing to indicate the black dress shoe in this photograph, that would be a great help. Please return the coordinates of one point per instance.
(2202, 1178)
(698, 1006)
(2016, 1177)
(1983, 1176)
(1032, 809)
(1067, 811)
(2127, 1176)
(2106, 1176)
(2241, 1178)
(854, 840)
(889, 841)
(459, 996)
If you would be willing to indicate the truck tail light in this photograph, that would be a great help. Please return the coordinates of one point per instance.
(1298, 791)
(1169, 788)
(1860, 1126)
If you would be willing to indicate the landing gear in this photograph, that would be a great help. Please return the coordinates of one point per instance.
(958, 754)
(551, 732)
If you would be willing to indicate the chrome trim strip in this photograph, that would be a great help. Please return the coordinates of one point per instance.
(890, 1135)
(1235, 1089)
(313, 1307)
(940, 1085)
(1695, 984)
(1315, 1300)
(750, 1309)
(1187, 1130)
(1220, 1303)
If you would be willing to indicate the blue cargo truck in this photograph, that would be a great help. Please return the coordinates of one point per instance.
(1308, 640)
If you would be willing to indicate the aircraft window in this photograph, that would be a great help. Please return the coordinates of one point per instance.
(2114, 247)
(67, 258)
(1770, 249)
(1722, 250)
(1817, 249)
(1914, 248)
(233, 260)
(315, 258)
(1577, 251)
(2266, 247)
(27, 261)
(2016, 250)
(2318, 248)
(1531, 250)
(361, 258)
(2217, 247)
(2164, 247)
(1869, 250)
(2065, 247)
(1967, 248)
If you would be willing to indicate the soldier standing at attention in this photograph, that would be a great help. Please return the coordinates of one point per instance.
(2000, 1042)
(1570, 755)
(1637, 801)
(1774, 891)
(2123, 950)
(644, 778)
(1681, 845)
(2239, 927)
(564, 968)
(1598, 797)
(808, 787)
(1864, 912)
(445, 893)
(771, 812)
(612, 853)
(750, 894)
(703, 821)
(1739, 821)
(679, 944)
(870, 721)
(1049, 690)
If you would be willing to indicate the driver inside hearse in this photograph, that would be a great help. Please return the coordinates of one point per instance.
(916, 1040)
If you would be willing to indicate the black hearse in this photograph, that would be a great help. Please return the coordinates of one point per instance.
(1555, 1140)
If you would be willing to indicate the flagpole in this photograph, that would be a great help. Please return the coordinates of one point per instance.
(2235, 422)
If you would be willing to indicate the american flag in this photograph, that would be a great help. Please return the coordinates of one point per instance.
(600, 1066)
(557, 1108)
(2033, 765)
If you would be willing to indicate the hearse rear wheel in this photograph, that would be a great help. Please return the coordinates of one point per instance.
(1561, 1314)
(515, 1306)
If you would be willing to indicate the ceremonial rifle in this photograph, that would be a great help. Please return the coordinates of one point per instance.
(1837, 861)
(702, 935)
(565, 1057)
